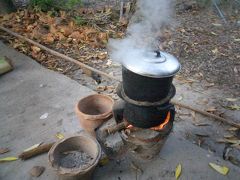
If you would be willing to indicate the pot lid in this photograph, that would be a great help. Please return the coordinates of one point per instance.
(152, 64)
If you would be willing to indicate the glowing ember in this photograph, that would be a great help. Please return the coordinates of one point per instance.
(161, 126)
(129, 126)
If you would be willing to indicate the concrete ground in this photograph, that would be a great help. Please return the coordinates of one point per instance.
(30, 91)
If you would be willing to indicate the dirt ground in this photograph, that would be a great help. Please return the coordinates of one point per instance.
(207, 48)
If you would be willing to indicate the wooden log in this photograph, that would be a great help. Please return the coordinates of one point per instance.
(226, 121)
(35, 152)
(118, 127)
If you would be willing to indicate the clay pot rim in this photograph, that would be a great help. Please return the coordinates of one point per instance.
(74, 171)
(94, 117)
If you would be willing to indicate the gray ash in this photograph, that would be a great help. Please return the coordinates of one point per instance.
(75, 159)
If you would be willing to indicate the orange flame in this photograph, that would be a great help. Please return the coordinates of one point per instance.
(161, 126)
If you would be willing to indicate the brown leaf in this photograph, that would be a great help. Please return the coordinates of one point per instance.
(60, 36)
(209, 84)
(35, 34)
(102, 55)
(47, 19)
(232, 129)
(53, 30)
(211, 109)
(231, 141)
(4, 150)
(36, 171)
(48, 39)
(66, 30)
(35, 49)
(76, 35)
(193, 115)
(103, 37)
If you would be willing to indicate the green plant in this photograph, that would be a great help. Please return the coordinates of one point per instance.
(80, 21)
(204, 3)
(46, 5)
(43, 5)
(71, 3)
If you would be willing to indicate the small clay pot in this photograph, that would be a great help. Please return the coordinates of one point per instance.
(81, 142)
(93, 110)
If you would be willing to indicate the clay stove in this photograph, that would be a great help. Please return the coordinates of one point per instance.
(144, 112)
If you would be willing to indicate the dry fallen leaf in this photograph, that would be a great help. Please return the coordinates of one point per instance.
(65, 30)
(209, 84)
(32, 147)
(215, 51)
(48, 39)
(211, 109)
(234, 107)
(103, 37)
(36, 171)
(201, 124)
(178, 171)
(193, 115)
(216, 24)
(59, 135)
(231, 99)
(233, 129)
(231, 141)
(221, 169)
(229, 136)
(4, 150)
(35, 49)
(104, 161)
(76, 35)
(180, 98)
(109, 62)
(6, 159)
(102, 55)
(213, 33)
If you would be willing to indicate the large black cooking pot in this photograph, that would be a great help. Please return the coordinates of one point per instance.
(143, 88)
(147, 76)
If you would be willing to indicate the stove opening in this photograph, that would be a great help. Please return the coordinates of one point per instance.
(158, 127)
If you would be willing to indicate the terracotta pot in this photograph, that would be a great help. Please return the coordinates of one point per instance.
(93, 110)
(83, 143)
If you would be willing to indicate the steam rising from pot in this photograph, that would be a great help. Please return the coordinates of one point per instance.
(143, 30)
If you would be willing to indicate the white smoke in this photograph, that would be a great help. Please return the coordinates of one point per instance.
(142, 35)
